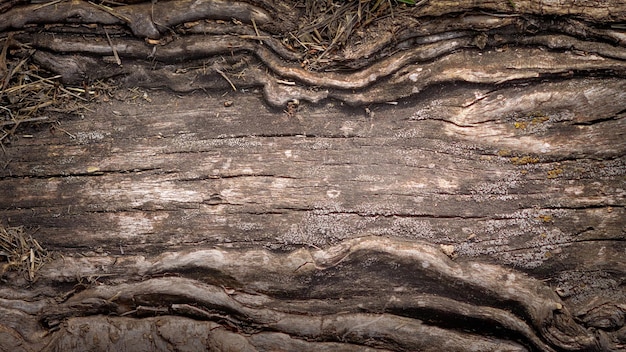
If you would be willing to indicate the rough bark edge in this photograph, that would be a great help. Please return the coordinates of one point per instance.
(164, 333)
(146, 20)
(541, 306)
(587, 9)
(409, 72)
(140, 16)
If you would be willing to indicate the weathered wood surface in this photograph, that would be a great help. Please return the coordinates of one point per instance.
(481, 209)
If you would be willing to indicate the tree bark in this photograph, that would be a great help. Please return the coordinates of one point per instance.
(448, 176)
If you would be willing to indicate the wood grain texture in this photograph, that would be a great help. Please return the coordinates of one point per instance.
(181, 172)
(457, 182)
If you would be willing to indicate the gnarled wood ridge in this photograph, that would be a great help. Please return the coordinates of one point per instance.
(314, 175)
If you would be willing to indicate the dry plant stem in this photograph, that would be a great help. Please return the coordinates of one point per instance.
(23, 254)
(32, 119)
(115, 55)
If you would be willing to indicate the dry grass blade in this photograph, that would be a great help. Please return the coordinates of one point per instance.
(115, 55)
(112, 12)
(29, 94)
(226, 78)
(32, 119)
(19, 252)
(330, 23)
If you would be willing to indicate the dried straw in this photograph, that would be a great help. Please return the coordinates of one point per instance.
(19, 252)
(328, 24)
(29, 94)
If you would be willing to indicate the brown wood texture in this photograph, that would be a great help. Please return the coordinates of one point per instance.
(457, 191)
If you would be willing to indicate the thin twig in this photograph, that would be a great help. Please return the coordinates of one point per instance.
(49, 80)
(298, 40)
(255, 37)
(111, 12)
(3, 57)
(117, 58)
(66, 132)
(32, 119)
(256, 30)
(226, 78)
(22, 86)
(47, 4)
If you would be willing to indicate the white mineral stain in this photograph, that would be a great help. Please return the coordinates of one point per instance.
(133, 225)
(447, 249)
(138, 194)
(84, 137)
(279, 183)
(230, 193)
(415, 185)
(443, 183)
(52, 186)
(348, 127)
(333, 193)
(577, 190)
(227, 163)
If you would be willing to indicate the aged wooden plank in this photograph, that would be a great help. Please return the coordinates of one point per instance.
(202, 172)
(453, 182)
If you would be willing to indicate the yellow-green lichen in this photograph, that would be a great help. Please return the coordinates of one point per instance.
(523, 160)
(539, 119)
(504, 152)
(545, 218)
(555, 173)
